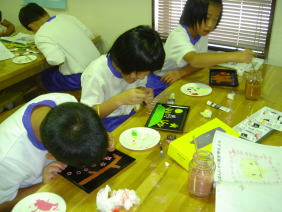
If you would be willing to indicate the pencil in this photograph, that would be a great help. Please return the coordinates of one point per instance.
(161, 150)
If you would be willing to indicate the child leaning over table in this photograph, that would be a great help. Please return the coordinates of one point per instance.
(44, 135)
(115, 82)
(66, 44)
(186, 46)
(6, 27)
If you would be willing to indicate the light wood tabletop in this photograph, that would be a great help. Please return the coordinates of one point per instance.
(12, 73)
(163, 188)
(16, 80)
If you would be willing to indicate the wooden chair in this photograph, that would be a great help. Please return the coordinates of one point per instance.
(7, 113)
(99, 43)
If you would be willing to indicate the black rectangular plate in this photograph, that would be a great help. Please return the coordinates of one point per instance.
(168, 117)
(92, 177)
(223, 77)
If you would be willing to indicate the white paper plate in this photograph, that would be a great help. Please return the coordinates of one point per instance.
(24, 59)
(42, 201)
(139, 138)
(196, 89)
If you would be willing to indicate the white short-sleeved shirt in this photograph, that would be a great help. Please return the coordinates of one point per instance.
(101, 81)
(177, 45)
(65, 40)
(22, 157)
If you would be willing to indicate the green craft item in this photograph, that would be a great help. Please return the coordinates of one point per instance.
(158, 115)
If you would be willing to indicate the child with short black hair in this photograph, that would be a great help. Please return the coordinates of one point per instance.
(186, 46)
(116, 82)
(6, 27)
(53, 126)
(66, 44)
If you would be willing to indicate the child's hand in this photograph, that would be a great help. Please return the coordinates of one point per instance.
(245, 56)
(172, 76)
(112, 145)
(52, 170)
(132, 96)
(149, 95)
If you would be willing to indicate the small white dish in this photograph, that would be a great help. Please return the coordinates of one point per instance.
(196, 89)
(24, 59)
(42, 201)
(139, 138)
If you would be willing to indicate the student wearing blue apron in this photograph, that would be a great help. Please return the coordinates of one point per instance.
(116, 83)
(42, 137)
(66, 44)
(187, 45)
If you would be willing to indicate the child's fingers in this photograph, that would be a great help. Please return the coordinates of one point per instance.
(55, 169)
(167, 79)
(111, 146)
(149, 91)
(140, 94)
(56, 165)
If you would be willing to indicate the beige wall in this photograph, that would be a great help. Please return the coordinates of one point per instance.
(110, 18)
(275, 50)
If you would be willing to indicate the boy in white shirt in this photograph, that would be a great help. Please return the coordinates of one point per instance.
(116, 82)
(66, 44)
(44, 135)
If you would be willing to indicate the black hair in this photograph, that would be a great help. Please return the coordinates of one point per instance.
(196, 11)
(0, 16)
(30, 13)
(138, 49)
(74, 134)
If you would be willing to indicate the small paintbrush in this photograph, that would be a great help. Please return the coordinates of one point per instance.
(161, 150)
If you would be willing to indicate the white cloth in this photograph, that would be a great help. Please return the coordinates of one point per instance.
(65, 40)
(21, 161)
(99, 84)
(177, 45)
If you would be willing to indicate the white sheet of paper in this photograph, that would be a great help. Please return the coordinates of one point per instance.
(231, 197)
(247, 67)
(248, 175)
(20, 38)
(270, 118)
(240, 161)
(251, 128)
(5, 53)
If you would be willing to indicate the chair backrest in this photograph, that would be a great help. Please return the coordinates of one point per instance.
(7, 113)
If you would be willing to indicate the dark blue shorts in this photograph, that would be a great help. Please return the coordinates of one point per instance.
(112, 123)
(54, 81)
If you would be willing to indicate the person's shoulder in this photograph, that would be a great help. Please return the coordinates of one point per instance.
(178, 30)
(96, 70)
(97, 65)
(67, 17)
(57, 98)
(177, 33)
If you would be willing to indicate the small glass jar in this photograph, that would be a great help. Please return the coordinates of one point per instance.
(253, 85)
(201, 173)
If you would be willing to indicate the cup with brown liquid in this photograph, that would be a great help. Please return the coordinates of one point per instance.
(253, 85)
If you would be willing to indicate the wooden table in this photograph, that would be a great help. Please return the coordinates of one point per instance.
(12, 73)
(16, 79)
(164, 188)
